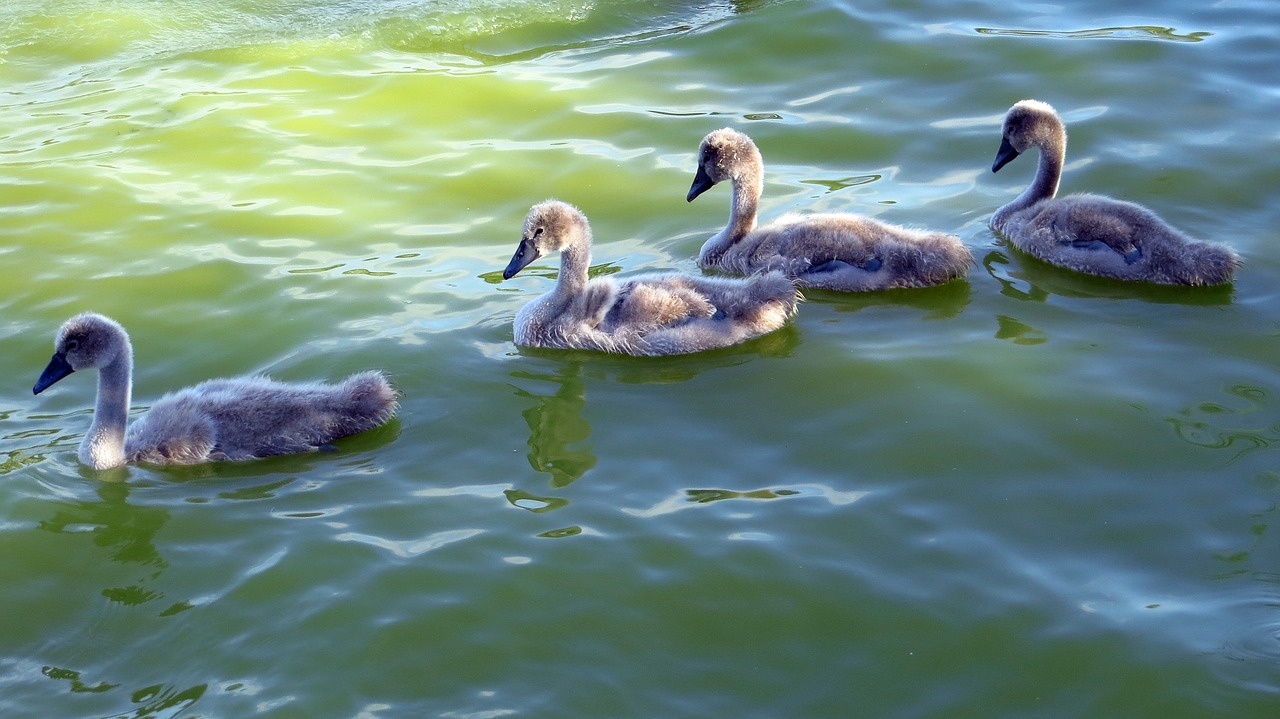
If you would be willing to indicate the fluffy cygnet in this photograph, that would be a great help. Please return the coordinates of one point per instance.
(1092, 233)
(655, 314)
(844, 252)
(221, 419)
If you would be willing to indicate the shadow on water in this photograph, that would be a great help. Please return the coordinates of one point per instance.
(126, 530)
(559, 446)
(674, 368)
(559, 432)
(128, 533)
(939, 302)
(1024, 277)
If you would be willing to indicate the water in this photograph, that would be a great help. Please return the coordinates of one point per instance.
(1025, 494)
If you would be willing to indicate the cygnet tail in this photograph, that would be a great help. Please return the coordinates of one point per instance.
(1206, 263)
(365, 400)
(949, 258)
(931, 259)
(771, 299)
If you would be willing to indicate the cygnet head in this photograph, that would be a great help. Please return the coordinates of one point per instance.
(723, 155)
(86, 341)
(548, 227)
(1030, 123)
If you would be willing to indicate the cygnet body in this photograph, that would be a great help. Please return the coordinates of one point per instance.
(1092, 233)
(844, 252)
(655, 314)
(220, 419)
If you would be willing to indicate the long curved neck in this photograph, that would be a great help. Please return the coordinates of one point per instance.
(747, 187)
(575, 259)
(103, 446)
(1048, 172)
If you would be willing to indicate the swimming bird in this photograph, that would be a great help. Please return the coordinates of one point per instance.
(220, 419)
(845, 252)
(654, 314)
(1092, 233)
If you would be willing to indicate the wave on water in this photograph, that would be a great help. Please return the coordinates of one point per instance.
(1139, 32)
(87, 31)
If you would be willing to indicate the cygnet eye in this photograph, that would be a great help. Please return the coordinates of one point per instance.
(73, 345)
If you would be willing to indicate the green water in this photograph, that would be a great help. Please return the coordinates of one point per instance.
(1024, 494)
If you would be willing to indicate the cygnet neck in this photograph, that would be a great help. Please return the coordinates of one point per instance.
(103, 446)
(748, 184)
(1053, 151)
(575, 260)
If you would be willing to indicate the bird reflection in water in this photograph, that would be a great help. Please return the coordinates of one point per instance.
(558, 432)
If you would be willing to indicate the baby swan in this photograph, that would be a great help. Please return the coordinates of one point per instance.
(221, 419)
(1093, 233)
(844, 252)
(656, 314)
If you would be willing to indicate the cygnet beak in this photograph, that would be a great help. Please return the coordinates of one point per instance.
(57, 369)
(1004, 156)
(701, 183)
(525, 254)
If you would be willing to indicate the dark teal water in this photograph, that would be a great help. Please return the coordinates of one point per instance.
(1024, 494)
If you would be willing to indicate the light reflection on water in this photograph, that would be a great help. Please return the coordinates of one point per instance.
(691, 498)
(1105, 33)
(1024, 489)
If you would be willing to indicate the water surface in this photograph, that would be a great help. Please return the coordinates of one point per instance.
(1027, 493)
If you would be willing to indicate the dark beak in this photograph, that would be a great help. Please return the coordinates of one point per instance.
(701, 183)
(525, 254)
(1004, 156)
(57, 369)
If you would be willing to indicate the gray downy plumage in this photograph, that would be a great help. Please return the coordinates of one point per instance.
(1093, 233)
(220, 419)
(654, 314)
(844, 252)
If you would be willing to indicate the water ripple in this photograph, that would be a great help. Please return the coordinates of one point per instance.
(1219, 425)
(690, 498)
(414, 547)
(1138, 32)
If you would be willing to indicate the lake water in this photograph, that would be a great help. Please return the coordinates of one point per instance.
(1024, 494)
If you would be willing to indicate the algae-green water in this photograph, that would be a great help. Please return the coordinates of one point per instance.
(1027, 493)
